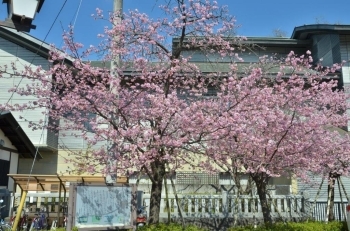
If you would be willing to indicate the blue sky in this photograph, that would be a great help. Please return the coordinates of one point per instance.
(255, 17)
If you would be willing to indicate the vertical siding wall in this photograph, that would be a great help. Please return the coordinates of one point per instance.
(72, 140)
(345, 48)
(312, 187)
(13, 53)
(326, 47)
(46, 166)
(345, 56)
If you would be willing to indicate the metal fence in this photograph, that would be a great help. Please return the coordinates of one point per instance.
(216, 205)
(319, 212)
(219, 206)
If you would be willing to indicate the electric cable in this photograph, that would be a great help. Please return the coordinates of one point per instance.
(37, 50)
(77, 13)
(46, 114)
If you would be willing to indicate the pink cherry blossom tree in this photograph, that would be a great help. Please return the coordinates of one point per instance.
(148, 110)
(338, 166)
(280, 119)
(155, 115)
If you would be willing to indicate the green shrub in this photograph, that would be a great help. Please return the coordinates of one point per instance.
(293, 226)
(170, 227)
(64, 229)
(60, 229)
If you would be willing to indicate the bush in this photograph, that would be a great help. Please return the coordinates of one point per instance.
(170, 227)
(305, 226)
(60, 229)
(64, 229)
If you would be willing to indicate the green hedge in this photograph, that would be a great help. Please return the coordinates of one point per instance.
(169, 227)
(64, 229)
(305, 226)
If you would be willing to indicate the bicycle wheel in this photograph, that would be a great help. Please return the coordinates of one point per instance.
(23, 226)
(6, 227)
(34, 224)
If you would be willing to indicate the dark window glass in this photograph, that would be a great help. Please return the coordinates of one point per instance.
(4, 170)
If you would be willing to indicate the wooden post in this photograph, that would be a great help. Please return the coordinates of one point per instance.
(341, 200)
(59, 204)
(328, 204)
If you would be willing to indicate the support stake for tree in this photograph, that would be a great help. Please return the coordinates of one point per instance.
(341, 199)
(317, 195)
(167, 196)
(328, 203)
(346, 195)
(177, 201)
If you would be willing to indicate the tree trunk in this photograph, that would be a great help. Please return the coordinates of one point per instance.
(158, 173)
(330, 203)
(261, 180)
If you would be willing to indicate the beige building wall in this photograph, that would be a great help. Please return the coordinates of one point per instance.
(47, 165)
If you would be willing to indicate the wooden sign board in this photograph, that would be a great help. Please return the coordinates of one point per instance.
(101, 207)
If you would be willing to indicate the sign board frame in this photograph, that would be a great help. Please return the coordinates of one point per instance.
(103, 211)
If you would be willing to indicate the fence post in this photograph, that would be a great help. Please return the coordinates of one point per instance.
(339, 211)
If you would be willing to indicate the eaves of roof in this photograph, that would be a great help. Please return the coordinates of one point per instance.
(266, 41)
(18, 138)
(29, 42)
(277, 41)
(305, 31)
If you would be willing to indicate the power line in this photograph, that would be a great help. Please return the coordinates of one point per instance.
(37, 50)
(77, 13)
(46, 114)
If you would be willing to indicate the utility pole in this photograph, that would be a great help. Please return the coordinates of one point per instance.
(118, 11)
(118, 6)
(111, 176)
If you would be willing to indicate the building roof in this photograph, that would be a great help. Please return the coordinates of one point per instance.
(29, 42)
(18, 138)
(305, 31)
(37, 182)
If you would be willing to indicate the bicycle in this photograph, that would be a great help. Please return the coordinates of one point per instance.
(141, 218)
(55, 223)
(40, 221)
(23, 222)
(3, 226)
(65, 213)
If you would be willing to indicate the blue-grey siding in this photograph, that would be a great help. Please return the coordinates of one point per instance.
(21, 57)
